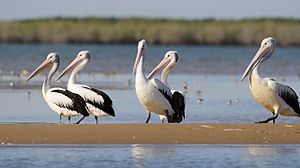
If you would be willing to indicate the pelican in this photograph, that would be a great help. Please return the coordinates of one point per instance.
(272, 95)
(166, 65)
(62, 101)
(98, 102)
(154, 95)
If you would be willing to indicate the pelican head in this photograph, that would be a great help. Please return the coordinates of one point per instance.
(265, 51)
(51, 60)
(140, 53)
(169, 61)
(83, 58)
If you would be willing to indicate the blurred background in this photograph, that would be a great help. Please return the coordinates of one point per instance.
(206, 22)
(215, 40)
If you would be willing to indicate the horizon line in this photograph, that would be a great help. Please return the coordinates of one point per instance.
(153, 18)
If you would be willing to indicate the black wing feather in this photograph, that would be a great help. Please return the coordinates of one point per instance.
(105, 106)
(290, 99)
(177, 107)
(78, 103)
(179, 103)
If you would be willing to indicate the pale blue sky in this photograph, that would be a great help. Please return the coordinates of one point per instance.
(190, 9)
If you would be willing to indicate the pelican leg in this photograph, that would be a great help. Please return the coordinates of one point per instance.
(148, 117)
(69, 119)
(269, 119)
(60, 119)
(163, 121)
(96, 118)
(80, 120)
(275, 116)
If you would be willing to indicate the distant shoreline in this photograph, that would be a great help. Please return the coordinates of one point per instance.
(156, 31)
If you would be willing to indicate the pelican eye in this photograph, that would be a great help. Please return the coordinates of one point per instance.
(266, 43)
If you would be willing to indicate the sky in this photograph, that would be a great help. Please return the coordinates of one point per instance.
(180, 9)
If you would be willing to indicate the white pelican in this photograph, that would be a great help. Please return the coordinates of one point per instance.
(98, 102)
(166, 65)
(154, 95)
(62, 101)
(275, 97)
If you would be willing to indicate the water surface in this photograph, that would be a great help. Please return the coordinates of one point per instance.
(195, 59)
(150, 156)
(211, 73)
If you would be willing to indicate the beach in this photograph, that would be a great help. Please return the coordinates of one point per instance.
(200, 133)
(218, 128)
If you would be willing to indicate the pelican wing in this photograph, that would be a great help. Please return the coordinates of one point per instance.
(164, 89)
(98, 99)
(172, 99)
(101, 101)
(286, 93)
(179, 102)
(66, 99)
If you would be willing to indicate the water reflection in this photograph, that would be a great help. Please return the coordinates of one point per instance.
(270, 150)
(144, 156)
(111, 156)
(268, 155)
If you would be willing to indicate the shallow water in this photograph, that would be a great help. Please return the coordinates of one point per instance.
(195, 59)
(211, 73)
(225, 100)
(149, 156)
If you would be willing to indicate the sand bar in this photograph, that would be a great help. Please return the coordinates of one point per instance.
(200, 133)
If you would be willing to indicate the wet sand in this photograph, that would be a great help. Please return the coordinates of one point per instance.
(201, 133)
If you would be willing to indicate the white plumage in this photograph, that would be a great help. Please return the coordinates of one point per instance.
(93, 99)
(178, 99)
(154, 95)
(63, 102)
(274, 96)
(98, 102)
(58, 102)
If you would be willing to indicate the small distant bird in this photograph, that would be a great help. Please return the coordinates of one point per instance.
(128, 82)
(154, 95)
(166, 65)
(199, 93)
(28, 95)
(62, 101)
(199, 100)
(12, 84)
(274, 96)
(98, 102)
(12, 73)
(185, 87)
(25, 72)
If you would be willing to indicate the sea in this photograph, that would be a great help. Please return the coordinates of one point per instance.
(208, 75)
